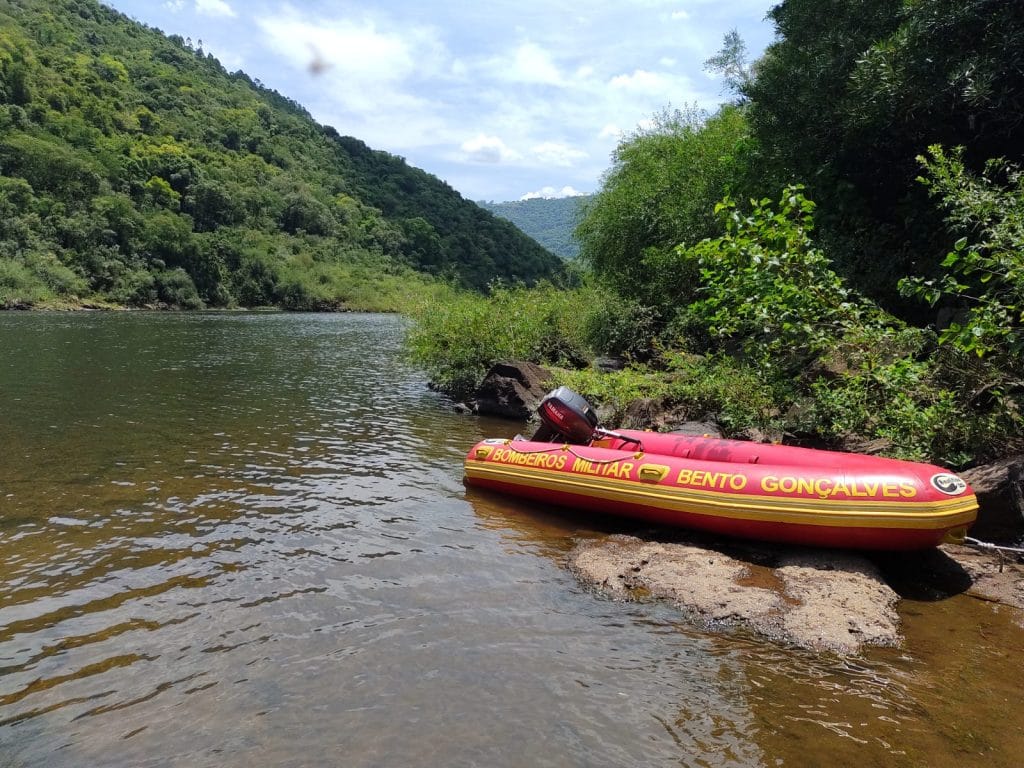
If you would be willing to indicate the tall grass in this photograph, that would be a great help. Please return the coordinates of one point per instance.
(457, 336)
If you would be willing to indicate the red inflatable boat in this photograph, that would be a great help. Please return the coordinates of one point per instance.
(768, 492)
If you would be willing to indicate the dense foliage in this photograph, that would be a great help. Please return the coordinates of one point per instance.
(889, 314)
(456, 340)
(661, 191)
(135, 170)
(549, 221)
(852, 91)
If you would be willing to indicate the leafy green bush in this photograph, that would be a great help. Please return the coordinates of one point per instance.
(986, 279)
(766, 288)
(134, 288)
(175, 288)
(739, 395)
(457, 338)
(57, 277)
(624, 327)
(614, 390)
(19, 285)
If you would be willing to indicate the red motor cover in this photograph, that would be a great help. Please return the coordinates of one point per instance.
(569, 415)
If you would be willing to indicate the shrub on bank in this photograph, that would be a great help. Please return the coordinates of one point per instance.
(457, 338)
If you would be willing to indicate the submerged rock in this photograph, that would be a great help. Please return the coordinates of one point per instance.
(821, 600)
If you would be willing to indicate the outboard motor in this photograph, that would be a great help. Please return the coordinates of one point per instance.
(565, 417)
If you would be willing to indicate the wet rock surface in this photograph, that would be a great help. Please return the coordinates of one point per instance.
(816, 599)
(822, 600)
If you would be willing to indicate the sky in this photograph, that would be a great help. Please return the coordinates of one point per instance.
(502, 99)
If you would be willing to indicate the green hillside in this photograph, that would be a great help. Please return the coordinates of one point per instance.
(135, 170)
(548, 221)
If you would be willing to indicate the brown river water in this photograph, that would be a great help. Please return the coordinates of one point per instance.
(244, 540)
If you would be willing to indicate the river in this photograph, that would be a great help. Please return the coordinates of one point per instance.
(243, 540)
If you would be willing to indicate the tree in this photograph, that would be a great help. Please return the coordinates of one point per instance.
(854, 90)
(984, 272)
(731, 63)
(660, 192)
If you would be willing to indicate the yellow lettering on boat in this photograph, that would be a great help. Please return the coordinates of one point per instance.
(890, 491)
(719, 481)
(907, 489)
(840, 488)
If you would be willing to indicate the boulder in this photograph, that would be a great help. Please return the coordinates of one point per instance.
(1000, 491)
(513, 390)
(816, 599)
(609, 363)
(644, 413)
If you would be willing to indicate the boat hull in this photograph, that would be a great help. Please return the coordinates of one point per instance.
(858, 502)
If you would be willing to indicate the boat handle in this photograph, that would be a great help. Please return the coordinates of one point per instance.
(653, 473)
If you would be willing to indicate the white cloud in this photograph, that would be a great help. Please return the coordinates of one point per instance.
(643, 81)
(554, 153)
(680, 15)
(215, 8)
(527, 63)
(174, 5)
(610, 131)
(549, 193)
(487, 149)
(357, 49)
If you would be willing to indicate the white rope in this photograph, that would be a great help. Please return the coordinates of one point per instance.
(988, 545)
(568, 448)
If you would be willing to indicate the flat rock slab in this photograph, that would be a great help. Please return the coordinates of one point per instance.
(999, 579)
(820, 600)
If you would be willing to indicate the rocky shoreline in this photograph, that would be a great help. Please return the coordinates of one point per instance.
(822, 600)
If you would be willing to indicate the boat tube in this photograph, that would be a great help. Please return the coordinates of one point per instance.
(738, 488)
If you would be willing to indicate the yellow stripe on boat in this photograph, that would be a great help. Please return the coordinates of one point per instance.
(905, 514)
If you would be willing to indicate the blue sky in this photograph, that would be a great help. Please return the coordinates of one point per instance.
(501, 99)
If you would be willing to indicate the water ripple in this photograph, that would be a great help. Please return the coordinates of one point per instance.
(234, 539)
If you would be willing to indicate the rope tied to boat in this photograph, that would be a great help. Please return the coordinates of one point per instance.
(988, 545)
(999, 549)
(510, 444)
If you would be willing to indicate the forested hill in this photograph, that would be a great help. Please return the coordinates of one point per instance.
(548, 221)
(134, 169)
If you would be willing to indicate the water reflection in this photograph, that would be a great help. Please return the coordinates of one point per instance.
(941, 702)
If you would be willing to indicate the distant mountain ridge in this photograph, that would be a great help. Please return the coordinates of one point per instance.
(135, 170)
(549, 221)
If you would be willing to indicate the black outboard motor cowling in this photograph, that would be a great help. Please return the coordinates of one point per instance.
(565, 416)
